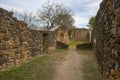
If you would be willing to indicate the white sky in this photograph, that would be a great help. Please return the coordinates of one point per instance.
(83, 9)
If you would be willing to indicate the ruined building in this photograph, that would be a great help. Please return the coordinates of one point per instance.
(62, 36)
(76, 34)
(81, 34)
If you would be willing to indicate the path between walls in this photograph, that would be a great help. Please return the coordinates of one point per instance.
(70, 67)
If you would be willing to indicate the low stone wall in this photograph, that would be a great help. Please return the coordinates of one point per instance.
(18, 43)
(106, 40)
(84, 46)
(61, 45)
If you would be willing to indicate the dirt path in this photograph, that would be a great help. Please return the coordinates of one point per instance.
(70, 68)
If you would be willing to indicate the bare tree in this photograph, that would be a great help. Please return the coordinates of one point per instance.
(54, 14)
(49, 16)
(27, 17)
(65, 19)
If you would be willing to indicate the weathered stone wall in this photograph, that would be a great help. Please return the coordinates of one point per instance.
(18, 43)
(106, 35)
(62, 36)
(81, 35)
(84, 46)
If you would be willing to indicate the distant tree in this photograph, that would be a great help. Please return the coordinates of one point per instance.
(91, 25)
(91, 22)
(54, 14)
(65, 20)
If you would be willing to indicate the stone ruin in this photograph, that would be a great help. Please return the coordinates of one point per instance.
(81, 34)
(18, 43)
(62, 35)
(106, 38)
(76, 34)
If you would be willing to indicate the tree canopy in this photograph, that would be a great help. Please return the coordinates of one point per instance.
(55, 14)
(49, 16)
(91, 22)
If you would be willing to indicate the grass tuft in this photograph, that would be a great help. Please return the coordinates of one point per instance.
(41, 68)
(90, 66)
(74, 43)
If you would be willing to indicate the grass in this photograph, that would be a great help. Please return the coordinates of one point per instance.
(85, 51)
(74, 43)
(59, 51)
(41, 68)
(90, 67)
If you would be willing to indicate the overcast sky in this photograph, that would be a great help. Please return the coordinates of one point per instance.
(82, 9)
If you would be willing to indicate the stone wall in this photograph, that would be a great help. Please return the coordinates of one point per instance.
(18, 43)
(80, 35)
(106, 35)
(62, 36)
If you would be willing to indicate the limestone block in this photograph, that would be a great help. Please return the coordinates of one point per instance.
(25, 51)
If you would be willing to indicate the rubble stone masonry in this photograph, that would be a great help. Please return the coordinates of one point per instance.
(106, 40)
(81, 34)
(18, 43)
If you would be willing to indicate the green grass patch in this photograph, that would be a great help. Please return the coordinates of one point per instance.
(59, 51)
(85, 51)
(90, 67)
(74, 43)
(33, 70)
(41, 68)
